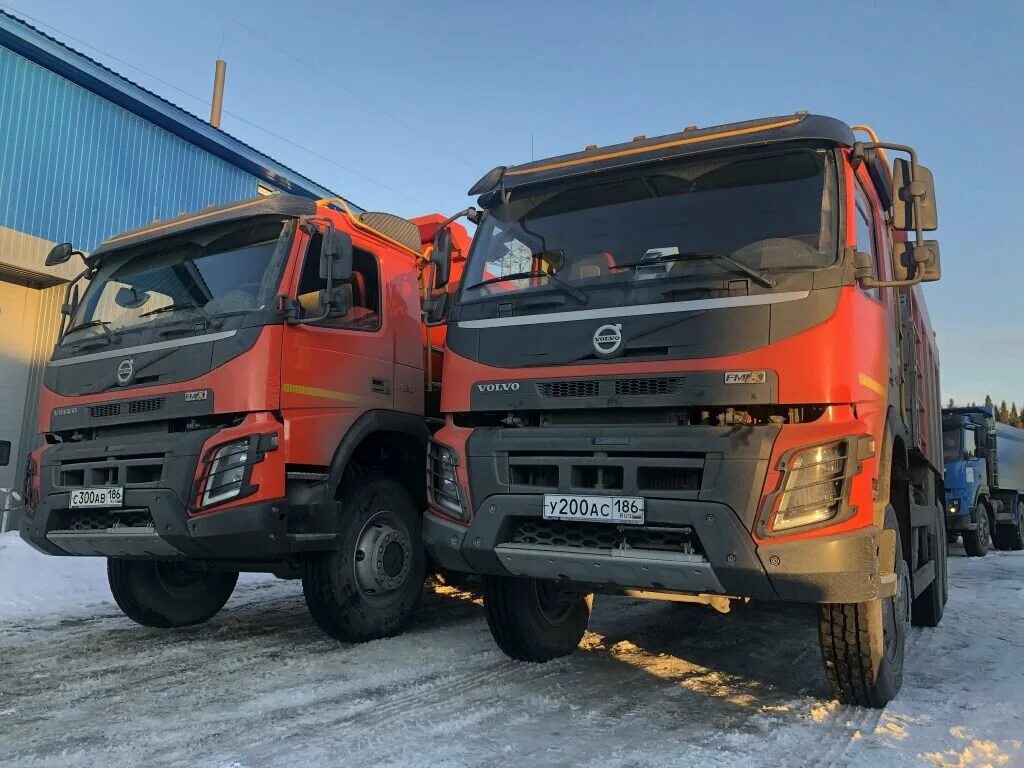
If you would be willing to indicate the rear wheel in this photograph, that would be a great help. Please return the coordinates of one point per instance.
(863, 644)
(928, 607)
(534, 619)
(369, 587)
(1010, 537)
(976, 542)
(156, 593)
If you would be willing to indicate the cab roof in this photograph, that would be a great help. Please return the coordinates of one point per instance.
(692, 141)
(285, 206)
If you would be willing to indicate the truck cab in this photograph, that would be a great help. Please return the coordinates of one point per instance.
(242, 389)
(699, 367)
(984, 479)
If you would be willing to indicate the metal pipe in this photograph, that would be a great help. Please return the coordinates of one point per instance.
(218, 93)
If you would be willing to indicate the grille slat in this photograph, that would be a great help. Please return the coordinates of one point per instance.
(647, 387)
(105, 411)
(569, 388)
(553, 533)
(147, 405)
(102, 519)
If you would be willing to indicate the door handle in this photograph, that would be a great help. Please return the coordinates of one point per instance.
(381, 386)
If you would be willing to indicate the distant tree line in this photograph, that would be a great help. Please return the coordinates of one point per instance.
(1011, 416)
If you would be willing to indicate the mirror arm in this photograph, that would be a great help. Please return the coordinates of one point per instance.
(915, 201)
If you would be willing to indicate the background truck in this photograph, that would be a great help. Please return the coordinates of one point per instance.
(984, 480)
(243, 389)
(699, 367)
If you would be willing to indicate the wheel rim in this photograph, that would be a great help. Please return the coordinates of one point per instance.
(896, 616)
(553, 605)
(983, 531)
(179, 581)
(383, 556)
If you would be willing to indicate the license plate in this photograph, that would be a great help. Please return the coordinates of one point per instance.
(97, 497)
(628, 510)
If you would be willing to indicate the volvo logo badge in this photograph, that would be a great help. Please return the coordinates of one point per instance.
(125, 371)
(608, 339)
(502, 386)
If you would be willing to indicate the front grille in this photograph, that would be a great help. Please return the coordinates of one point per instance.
(102, 519)
(641, 387)
(105, 411)
(148, 405)
(553, 533)
(568, 389)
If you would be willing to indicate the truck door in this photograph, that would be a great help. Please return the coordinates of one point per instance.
(334, 371)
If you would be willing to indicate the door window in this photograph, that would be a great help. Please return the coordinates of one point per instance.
(866, 237)
(365, 286)
(970, 444)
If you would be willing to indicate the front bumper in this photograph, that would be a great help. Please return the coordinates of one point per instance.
(843, 568)
(156, 472)
(258, 531)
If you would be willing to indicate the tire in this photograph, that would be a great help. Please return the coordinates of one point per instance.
(863, 644)
(369, 587)
(531, 620)
(164, 594)
(976, 542)
(928, 607)
(1010, 537)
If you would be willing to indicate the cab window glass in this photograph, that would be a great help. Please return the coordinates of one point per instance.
(866, 237)
(970, 446)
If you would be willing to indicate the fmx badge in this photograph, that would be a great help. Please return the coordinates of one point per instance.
(746, 377)
(196, 394)
(608, 339)
(125, 371)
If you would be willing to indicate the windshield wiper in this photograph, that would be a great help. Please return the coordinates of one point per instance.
(108, 337)
(577, 294)
(756, 275)
(210, 318)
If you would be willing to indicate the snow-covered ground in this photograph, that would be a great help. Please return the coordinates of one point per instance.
(653, 684)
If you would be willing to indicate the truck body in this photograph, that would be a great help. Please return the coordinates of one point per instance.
(243, 389)
(699, 367)
(984, 479)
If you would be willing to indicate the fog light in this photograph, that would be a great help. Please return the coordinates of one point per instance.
(227, 472)
(813, 490)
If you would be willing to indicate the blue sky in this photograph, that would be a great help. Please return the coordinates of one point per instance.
(405, 105)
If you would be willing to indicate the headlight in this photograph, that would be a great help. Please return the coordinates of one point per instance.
(442, 482)
(813, 489)
(227, 472)
(954, 506)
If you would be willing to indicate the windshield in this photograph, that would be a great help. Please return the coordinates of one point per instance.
(768, 212)
(216, 273)
(950, 444)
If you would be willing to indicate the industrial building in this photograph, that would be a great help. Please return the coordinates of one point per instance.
(84, 154)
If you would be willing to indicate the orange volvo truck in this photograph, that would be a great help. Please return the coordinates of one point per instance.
(699, 367)
(243, 390)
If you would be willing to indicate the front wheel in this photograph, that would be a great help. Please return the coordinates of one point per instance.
(976, 542)
(534, 619)
(863, 644)
(1010, 537)
(156, 593)
(368, 588)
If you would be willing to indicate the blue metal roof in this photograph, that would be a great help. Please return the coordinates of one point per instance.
(41, 49)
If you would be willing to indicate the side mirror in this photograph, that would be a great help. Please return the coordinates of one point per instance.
(130, 297)
(336, 256)
(441, 257)
(69, 307)
(435, 308)
(337, 301)
(59, 254)
(910, 260)
(863, 265)
(904, 192)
